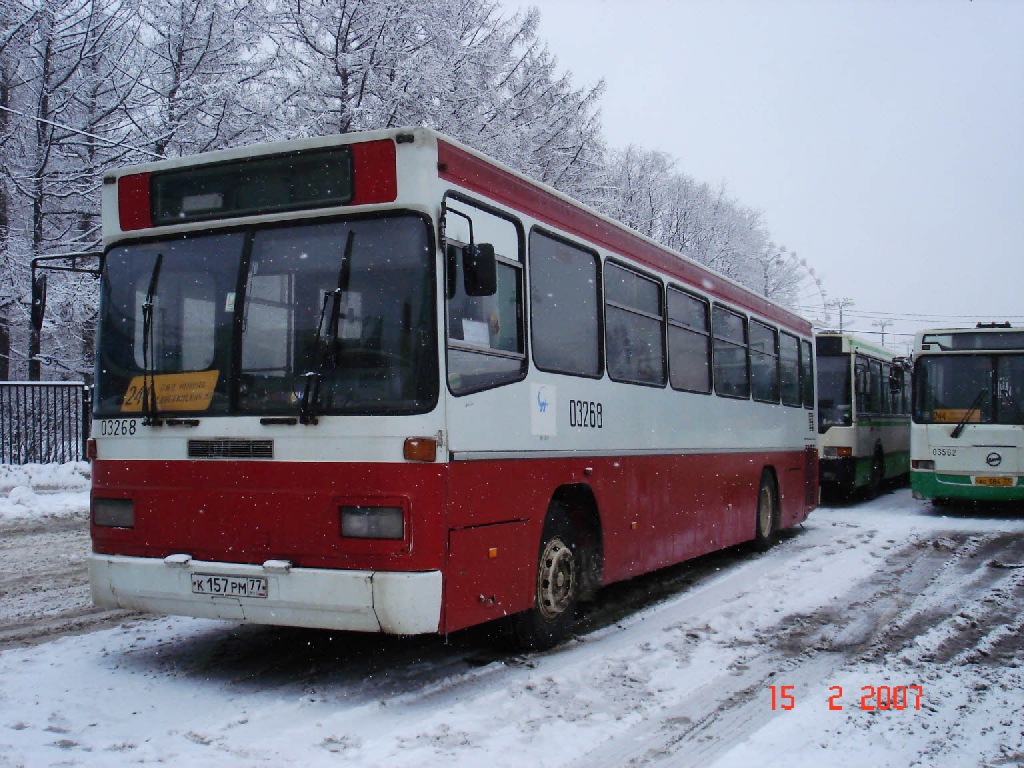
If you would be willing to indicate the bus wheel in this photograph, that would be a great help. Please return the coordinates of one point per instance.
(767, 513)
(556, 589)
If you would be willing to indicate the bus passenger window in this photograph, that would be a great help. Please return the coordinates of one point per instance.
(634, 338)
(807, 373)
(689, 342)
(789, 368)
(732, 377)
(564, 302)
(764, 362)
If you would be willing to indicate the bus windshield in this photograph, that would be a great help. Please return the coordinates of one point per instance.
(835, 402)
(987, 389)
(360, 319)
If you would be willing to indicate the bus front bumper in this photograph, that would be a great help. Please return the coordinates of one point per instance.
(391, 602)
(939, 485)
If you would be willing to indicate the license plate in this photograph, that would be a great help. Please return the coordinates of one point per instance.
(229, 586)
(1000, 482)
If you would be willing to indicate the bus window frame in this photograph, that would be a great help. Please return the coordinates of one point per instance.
(660, 318)
(446, 280)
(774, 332)
(670, 324)
(744, 319)
(808, 372)
(798, 401)
(598, 296)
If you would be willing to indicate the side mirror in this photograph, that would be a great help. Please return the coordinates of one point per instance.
(38, 301)
(479, 270)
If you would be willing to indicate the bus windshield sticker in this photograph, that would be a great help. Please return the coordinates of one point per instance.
(954, 415)
(543, 410)
(191, 391)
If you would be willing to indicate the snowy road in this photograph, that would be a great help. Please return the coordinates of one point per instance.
(884, 603)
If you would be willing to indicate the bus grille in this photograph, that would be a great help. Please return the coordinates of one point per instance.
(225, 448)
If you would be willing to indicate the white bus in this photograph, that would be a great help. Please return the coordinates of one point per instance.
(967, 441)
(379, 382)
(863, 414)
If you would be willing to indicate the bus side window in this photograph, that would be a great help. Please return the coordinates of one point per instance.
(764, 362)
(485, 333)
(689, 342)
(789, 368)
(807, 373)
(634, 327)
(862, 384)
(732, 374)
(565, 294)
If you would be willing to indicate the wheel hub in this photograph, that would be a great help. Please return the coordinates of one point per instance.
(556, 579)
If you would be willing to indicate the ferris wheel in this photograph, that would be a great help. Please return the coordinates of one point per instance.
(809, 297)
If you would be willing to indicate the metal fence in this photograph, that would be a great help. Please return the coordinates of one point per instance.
(43, 422)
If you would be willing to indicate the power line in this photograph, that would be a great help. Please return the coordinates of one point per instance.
(80, 132)
(916, 316)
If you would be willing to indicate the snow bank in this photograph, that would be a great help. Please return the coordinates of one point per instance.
(44, 490)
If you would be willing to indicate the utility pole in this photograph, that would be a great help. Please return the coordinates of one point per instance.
(882, 324)
(841, 304)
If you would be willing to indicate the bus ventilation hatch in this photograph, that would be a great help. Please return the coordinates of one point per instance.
(225, 448)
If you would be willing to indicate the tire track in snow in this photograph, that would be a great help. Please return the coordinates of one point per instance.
(880, 620)
(44, 589)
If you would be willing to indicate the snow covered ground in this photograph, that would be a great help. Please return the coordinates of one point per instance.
(865, 602)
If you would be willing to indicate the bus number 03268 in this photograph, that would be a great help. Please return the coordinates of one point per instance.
(117, 427)
(586, 413)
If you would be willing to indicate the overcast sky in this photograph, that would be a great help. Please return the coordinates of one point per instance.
(882, 141)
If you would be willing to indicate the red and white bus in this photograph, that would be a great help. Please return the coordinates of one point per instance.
(379, 382)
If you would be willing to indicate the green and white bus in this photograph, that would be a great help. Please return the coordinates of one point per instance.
(863, 414)
(967, 440)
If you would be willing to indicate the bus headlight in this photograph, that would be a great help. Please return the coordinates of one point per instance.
(372, 522)
(113, 513)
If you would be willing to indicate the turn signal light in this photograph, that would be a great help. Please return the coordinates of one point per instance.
(90, 449)
(420, 449)
(843, 451)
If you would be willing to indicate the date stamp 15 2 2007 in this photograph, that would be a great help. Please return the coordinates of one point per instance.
(873, 698)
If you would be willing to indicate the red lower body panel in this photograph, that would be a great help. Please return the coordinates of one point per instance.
(478, 522)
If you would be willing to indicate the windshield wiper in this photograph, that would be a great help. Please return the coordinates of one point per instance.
(149, 406)
(959, 428)
(311, 389)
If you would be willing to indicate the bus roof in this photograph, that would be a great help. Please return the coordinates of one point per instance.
(847, 342)
(472, 170)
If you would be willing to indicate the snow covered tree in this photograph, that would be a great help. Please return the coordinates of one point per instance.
(644, 190)
(15, 18)
(64, 84)
(457, 66)
(202, 61)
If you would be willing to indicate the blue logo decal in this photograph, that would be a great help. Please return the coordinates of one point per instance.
(542, 404)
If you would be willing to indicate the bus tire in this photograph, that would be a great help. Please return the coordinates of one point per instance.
(767, 524)
(556, 586)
